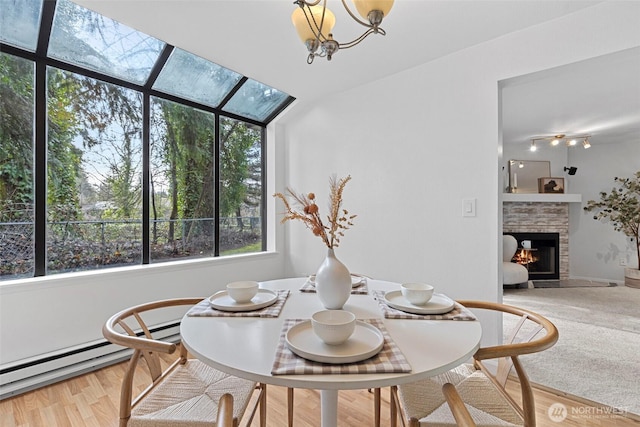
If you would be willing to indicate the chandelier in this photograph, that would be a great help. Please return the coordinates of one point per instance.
(314, 23)
(568, 140)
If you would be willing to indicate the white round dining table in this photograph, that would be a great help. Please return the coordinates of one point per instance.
(246, 346)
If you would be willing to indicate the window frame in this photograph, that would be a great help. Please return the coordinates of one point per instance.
(42, 62)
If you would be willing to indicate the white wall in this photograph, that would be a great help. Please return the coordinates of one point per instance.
(595, 247)
(47, 314)
(419, 142)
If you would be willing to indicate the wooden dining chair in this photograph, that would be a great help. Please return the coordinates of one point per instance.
(185, 393)
(482, 390)
(225, 411)
(457, 407)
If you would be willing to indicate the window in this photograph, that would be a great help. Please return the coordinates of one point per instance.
(16, 167)
(94, 170)
(118, 149)
(240, 187)
(89, 40)
(182, 180)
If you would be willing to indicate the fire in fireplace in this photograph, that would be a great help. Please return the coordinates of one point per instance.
(543, 258)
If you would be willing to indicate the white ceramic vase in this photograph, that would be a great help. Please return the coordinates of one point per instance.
(333, 282)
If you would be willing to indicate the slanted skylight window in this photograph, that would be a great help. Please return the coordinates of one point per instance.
(189, 76)
(87, 39)
(255, 100)
(20, 23)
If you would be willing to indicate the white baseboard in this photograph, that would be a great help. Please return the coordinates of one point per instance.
(29, 374)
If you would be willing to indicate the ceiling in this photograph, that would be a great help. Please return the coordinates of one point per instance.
(599, 97)
(256, 38)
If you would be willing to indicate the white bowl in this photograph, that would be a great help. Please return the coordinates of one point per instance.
(417, 293)
(333, 326)
(242, 291)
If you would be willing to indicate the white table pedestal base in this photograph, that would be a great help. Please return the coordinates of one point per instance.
(329, 407)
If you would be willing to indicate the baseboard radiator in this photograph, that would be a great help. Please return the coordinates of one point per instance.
(26, 375)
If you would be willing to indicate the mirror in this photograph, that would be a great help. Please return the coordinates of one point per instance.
(524, 174)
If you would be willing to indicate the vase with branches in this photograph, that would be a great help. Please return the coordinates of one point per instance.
(621, 208)
(333, 280)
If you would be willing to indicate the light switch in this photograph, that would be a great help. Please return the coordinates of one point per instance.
(468, 207)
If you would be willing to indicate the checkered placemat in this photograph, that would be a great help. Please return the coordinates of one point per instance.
(361, 289)
(458, 313)
(389, 359)
(204, 309)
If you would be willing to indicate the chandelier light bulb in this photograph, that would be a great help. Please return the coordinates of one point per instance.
(368, 8)
(306, 32)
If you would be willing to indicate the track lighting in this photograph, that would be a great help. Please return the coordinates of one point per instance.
(533, 146)
(571, 169)
(568, 140)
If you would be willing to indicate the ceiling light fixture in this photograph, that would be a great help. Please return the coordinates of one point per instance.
(314, 23)
(556, 140)
(569, 140)
(533, 146)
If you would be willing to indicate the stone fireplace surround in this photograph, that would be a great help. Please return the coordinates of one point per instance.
(540, 217)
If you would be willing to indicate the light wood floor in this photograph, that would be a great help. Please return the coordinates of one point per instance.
(92, 400)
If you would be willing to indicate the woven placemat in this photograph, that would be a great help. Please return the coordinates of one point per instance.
(204, 309)
(361, 289)
(389, 359)
(458, 313)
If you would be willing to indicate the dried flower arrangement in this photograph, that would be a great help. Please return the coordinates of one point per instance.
(338, 219)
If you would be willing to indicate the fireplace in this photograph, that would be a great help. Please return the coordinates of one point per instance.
(543, 258)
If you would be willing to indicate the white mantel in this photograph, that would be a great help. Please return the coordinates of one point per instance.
(542, 197)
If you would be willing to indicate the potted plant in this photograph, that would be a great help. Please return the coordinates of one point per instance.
(621, 207)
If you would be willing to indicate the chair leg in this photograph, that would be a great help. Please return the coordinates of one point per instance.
(263, 406)
(290, 406)
(393, 410)
(376, 407)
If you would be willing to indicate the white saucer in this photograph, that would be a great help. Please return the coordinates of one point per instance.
(355, 280)
(366, 341)
(438, 304)
(222, 301)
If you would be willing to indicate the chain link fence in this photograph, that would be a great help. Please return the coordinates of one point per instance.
(89, 245)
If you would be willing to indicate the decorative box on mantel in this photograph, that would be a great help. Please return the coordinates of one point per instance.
(541, 213)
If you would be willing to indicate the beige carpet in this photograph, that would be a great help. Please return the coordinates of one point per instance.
(597, 356)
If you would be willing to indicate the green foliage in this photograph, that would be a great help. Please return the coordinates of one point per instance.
(183, 157)
(621, 207)
(16, 136)
(240, 164)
